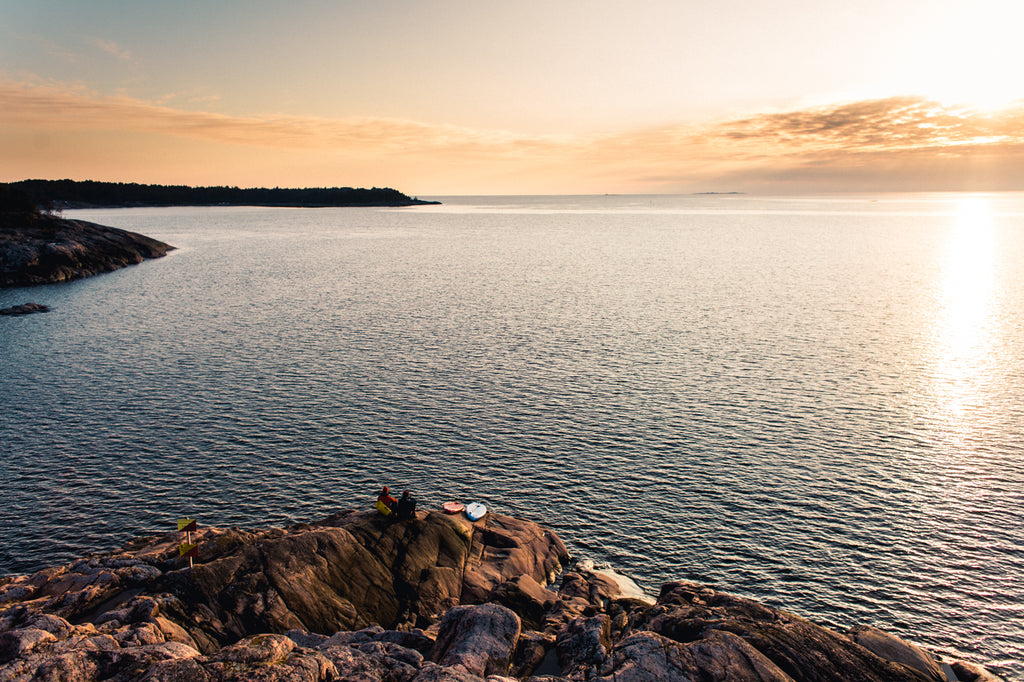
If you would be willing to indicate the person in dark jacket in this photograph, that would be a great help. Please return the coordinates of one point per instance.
(406, 506)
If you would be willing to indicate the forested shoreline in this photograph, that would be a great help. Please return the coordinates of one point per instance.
(61, 194)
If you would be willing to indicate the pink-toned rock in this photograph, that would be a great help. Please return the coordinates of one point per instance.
(584, 644)
(361, 598)
(969, 672)
(432, 672)
(688, 612)
(73, 666)
(55, 625)
(17, 643)
(172, 632)
(177, 670)
(140, 634)
(526, 597)
(648, 657)
(593, 587)
(256, 649)
(478, 640)
(892, 648)
(505, 548)
(101, 642)
(374, 661)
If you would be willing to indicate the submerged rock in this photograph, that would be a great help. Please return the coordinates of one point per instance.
(25, 309)
(437, 597)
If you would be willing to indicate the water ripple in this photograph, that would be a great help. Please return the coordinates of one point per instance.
(762, 401)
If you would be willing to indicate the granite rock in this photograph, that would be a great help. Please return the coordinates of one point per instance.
(44, 249)
(433, 598)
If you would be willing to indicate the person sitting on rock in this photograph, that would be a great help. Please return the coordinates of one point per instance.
(385, 503)
(406, 506)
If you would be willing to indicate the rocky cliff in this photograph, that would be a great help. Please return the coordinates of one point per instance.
(42, 249)
(433, 598)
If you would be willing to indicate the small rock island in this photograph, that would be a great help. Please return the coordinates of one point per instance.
(434, 598)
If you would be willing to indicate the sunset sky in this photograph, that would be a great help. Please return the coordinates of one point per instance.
(448, 97)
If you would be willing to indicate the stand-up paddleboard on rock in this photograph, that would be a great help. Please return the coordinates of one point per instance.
(475, 511)
(453, 507)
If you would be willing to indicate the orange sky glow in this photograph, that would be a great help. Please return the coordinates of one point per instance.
(105, 102)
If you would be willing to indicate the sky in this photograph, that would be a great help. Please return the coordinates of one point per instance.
(451, 97)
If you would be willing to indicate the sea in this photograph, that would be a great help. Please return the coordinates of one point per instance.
(816, 402)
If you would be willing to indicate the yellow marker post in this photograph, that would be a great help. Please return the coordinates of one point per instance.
(187, 548)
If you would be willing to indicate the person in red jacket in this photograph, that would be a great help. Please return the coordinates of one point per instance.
(385, 503)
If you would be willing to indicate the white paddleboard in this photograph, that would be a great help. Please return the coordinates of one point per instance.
(475, 511)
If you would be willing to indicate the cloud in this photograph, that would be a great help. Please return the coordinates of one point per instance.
(111, 48)
(53, 107)
(894, 123)
(911, 142)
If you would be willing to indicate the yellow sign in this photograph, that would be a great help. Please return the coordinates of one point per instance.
(186, 525)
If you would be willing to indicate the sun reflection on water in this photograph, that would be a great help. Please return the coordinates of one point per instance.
(963, 329)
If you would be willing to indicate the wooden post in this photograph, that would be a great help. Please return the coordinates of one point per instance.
(187, 548)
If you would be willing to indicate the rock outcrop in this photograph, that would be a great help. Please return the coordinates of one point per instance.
(25, 309)
(433, 598)
(43, 249)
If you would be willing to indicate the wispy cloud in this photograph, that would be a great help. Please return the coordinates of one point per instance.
(900, 139)
(111, 48)
(53, 107)
(895, 123)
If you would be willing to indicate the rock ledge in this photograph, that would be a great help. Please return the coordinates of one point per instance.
(44, 249)
(433, 598)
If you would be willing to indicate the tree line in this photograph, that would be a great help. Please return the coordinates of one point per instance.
(90, 193)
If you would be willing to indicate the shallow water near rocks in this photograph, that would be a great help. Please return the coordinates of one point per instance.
(815, 402)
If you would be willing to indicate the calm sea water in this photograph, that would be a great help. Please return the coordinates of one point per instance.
(815, 402)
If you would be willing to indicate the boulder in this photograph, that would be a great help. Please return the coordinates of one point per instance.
(478, 640)
(535, 654)
(526, 597)
(892, 648)
(649, 657)
(969, 672)
(686, 612)
(584, 645)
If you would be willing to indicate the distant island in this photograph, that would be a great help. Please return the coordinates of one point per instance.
(61, 194)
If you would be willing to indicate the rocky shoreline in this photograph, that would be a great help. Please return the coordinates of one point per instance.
(44, 249)
(433, 598)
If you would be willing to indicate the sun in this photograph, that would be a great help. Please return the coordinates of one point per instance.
(981, 97)
(973, 85)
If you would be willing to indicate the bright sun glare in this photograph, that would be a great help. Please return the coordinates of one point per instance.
(985, 90)
(963, 333)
